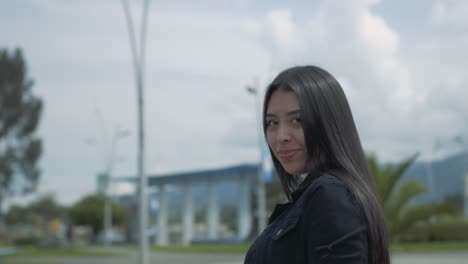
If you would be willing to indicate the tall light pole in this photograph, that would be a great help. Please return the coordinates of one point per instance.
(261, 193)
(118, 134)
(138, 66)
(109, 158)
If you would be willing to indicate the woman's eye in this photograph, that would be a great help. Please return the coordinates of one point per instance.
(271, 123)
(296, 120)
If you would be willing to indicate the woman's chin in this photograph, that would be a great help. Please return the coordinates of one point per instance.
(294, 171)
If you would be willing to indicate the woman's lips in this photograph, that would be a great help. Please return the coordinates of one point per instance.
(287, 155)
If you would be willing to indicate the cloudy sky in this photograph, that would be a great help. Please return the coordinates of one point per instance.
(401, 63)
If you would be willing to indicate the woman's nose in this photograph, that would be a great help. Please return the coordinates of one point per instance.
(284, 133)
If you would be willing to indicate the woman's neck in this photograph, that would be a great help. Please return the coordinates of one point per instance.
(303, 175)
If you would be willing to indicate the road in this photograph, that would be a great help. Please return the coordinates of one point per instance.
(203, 258)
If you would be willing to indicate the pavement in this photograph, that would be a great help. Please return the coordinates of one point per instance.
(203, 258)
(430, 258)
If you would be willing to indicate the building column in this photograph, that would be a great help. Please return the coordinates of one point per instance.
(212, 211)
(162, 232)
(188, 216)
(244, 212)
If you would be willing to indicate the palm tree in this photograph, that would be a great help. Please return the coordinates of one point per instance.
(396, 195)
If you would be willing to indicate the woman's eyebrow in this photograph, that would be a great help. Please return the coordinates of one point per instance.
(290, 113)
(294, 112)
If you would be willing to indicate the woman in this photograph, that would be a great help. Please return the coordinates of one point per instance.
(333, 215)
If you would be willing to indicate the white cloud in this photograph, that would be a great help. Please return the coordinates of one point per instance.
(198, 66)
(198, 113)
(358, 48)
(449, 12)
(403, 97)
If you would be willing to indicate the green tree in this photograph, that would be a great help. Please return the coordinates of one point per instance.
(20, 111)
(396, 195)
(19, 215)
(89, 211)
(47, 208)
(42, 210)
(457, 200)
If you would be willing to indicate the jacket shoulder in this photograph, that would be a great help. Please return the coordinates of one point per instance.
(325, 181)
(334, 223)
(328, 191)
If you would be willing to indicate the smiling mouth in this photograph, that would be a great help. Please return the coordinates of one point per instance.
(288, 154)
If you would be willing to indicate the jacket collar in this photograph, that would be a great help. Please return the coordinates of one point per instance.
(280, 208)
(303, 186)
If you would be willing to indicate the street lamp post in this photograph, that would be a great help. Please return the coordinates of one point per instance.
(261, 193)
(138, 66)
(118, 134)
(109, 159)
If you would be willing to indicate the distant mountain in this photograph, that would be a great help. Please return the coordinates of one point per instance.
(447, 177)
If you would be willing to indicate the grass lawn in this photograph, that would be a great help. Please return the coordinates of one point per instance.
(206, 248)
(13, 260)
(429, 247)
(30, 255)
(242, 248)
(30, 251)
(33, 255)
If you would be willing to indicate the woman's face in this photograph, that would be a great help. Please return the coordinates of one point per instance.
(284, 132)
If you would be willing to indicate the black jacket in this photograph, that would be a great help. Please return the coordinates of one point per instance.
(322, 224)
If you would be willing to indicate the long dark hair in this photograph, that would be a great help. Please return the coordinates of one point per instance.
(333, 144)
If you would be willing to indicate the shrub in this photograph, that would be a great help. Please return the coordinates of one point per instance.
(29, 240)
(447, 231)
